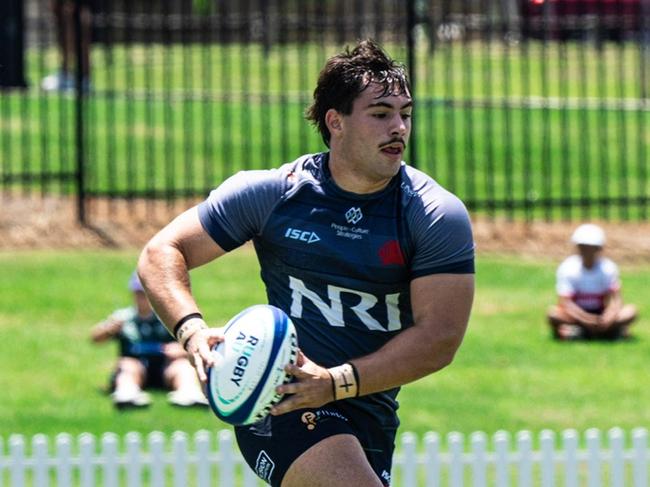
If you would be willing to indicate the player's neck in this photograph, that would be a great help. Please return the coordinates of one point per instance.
(353, 181)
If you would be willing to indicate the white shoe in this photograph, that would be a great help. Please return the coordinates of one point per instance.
(60, 81)
(568, 331)
(130, 398)
(187, 398)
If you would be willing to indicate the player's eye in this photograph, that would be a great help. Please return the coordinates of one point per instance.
(379, 115)
(406, 116)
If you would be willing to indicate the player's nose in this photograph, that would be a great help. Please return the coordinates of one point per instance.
(398, 125)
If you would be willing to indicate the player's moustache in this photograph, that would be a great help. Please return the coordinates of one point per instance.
(394, 140)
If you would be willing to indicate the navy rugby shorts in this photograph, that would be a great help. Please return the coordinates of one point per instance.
(270, 446)
(155, 375)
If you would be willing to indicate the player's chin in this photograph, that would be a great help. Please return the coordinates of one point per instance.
(391, 166)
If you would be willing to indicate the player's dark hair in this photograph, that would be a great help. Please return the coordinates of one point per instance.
(346, 75)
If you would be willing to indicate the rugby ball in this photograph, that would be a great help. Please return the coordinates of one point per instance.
(249, 364)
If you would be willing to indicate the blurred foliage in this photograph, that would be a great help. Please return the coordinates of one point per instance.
(203, 6)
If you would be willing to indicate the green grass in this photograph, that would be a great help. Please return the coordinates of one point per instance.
(507, 375)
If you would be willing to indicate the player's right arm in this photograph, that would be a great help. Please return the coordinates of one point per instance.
(233, 213)
(164, 266)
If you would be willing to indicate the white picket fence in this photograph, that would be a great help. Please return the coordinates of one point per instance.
(614, 458)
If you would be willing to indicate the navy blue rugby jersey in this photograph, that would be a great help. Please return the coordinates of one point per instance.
(338, 263)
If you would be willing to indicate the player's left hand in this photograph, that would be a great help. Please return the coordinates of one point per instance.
(312, 387)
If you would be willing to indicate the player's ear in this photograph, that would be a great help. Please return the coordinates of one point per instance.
(333, 121)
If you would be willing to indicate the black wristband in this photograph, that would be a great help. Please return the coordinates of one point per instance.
(184, 319)
(356, 377)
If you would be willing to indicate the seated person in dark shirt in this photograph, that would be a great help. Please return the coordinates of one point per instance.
(149, 356)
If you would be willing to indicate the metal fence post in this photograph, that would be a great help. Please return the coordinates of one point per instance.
(79, 116)
(411, 20)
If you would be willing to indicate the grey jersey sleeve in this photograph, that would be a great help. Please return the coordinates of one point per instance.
(237, 210)
(441, 231)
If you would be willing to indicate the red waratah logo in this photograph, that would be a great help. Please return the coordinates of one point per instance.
(391, 254)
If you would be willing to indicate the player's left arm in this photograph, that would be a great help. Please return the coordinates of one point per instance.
(441, 306)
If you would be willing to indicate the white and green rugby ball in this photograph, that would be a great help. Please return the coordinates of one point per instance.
(249, 364)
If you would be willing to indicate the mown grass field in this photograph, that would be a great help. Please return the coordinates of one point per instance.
(508, 374)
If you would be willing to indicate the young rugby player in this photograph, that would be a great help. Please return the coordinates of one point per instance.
(372, 260)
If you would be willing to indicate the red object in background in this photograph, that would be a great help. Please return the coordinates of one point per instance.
(565, 19)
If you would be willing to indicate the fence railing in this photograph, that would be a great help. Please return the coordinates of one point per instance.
(521, 108)
(614, 458)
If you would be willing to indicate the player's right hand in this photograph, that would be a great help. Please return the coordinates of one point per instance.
(312, 386)
(199, 349)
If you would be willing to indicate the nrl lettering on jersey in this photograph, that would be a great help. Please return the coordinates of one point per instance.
(333, 312)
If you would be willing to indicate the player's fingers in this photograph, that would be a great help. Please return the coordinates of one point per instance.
(296, 371)
(311, 390)
(204, 351)
(214, 335)
(287, 405)
(300, 361)
(299, 396)
(291, 388)
(200, 368)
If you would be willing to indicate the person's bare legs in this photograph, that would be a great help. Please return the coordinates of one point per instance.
(337, 461)
(57, 10)
(624, 319)
(565, 328)
(131, 373)
(185, 387)
(562, 325)
(129, 380)
(68, 36)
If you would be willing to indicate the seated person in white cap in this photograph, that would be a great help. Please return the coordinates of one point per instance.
(589, 292)
(149, 356)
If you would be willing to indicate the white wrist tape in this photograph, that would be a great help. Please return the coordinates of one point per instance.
(189, 328)
(344, 381)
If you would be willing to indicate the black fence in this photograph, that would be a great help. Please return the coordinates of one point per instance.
(533, 109)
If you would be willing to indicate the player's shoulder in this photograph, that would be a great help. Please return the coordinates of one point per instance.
(421, 192)
(280, 179)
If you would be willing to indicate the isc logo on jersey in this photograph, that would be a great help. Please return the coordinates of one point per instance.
(302, 235)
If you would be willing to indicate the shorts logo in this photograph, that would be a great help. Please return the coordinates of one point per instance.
(264, 466)
(309, 419)
(353, 215)
(386, 476)
(312, 418)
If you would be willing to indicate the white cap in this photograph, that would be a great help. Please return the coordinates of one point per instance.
(589, 234)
